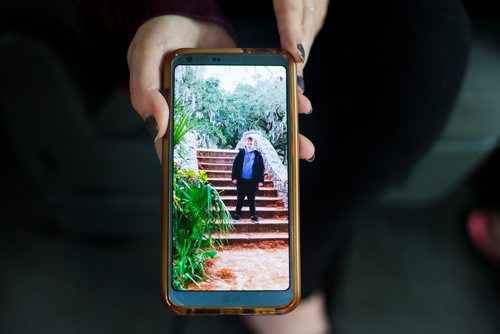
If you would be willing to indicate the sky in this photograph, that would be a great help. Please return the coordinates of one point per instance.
(231, 76)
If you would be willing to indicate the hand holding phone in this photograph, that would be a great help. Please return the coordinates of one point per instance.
(230, 182)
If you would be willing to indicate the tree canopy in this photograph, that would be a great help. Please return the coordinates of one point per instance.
(223, 116)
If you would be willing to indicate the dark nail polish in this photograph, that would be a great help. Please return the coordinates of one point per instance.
(302, 52)
(311, 159)
(300, 83)
(151, 126)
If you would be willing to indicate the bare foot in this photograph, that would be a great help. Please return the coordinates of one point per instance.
(308, 318)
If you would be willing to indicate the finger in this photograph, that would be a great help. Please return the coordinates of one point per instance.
(145, 82)
(304, 104)
(301, 86)
(306, 148)
(313, 17)
(154, 107)
(289, 20)
(158, 149)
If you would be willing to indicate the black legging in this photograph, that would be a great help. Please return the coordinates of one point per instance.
(382, 77)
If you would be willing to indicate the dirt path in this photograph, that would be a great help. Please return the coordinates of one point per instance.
(249, 267)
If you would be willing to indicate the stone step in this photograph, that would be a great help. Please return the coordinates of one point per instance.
(218, 174)
(263, 192)
(253, 237)
(215, 159)
(206, 166)
(262, 212)
(226, 174)
(264, 225)
(217, 152)
(261, 201)
(226, 182)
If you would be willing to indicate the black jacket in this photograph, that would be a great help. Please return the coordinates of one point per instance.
(258, 166)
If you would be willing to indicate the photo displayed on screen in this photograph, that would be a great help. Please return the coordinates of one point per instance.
(230, 217)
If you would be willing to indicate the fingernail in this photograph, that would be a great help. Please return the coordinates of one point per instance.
(311, 159)
(156, 140)
(300, 83)
(302, 52)
(310, 111)
(151, 126)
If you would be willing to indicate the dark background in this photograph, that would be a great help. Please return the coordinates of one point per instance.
(80, 209)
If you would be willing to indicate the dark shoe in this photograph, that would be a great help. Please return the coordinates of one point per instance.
(254, 219)
(236, 217)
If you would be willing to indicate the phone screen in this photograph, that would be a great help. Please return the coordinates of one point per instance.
(230, 213)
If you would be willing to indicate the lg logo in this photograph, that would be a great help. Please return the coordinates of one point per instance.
(230, 299)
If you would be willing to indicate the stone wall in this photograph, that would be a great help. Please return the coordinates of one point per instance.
(185, 154)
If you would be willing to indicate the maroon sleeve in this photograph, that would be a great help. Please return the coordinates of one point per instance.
(127, 15)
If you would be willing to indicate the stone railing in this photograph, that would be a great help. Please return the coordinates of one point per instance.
(185, 156)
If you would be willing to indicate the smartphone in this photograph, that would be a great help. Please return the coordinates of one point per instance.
(230, 197)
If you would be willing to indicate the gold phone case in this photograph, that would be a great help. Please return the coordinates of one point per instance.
(293, 227)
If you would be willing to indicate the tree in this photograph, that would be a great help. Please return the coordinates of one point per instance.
(227, 115)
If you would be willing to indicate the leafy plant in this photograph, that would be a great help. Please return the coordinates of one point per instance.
(199, 214)
(183, 122)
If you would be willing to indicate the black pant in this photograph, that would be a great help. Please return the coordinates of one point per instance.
(246, 188)
(382, 78)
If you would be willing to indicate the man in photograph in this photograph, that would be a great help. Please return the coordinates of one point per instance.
(248, 175)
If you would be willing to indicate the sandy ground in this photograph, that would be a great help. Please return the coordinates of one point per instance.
(248, 267)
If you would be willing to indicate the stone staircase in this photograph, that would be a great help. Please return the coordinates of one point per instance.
(273, 216)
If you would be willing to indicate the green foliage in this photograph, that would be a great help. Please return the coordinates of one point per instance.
(227, 115)
(198, 215)
(183, 121)
(220, 119)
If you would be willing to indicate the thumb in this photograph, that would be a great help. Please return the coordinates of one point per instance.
(154, 109)
(289, 20)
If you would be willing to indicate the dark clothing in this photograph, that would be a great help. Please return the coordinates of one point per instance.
(247, 187)
(258, 166)
(382, 77)
(127, 15)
